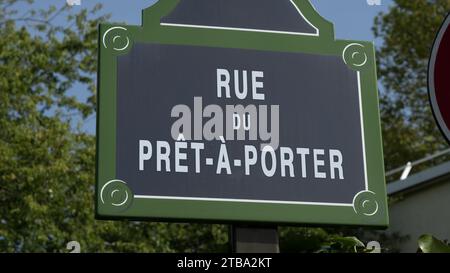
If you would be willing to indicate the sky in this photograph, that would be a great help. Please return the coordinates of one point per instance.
(352, 19)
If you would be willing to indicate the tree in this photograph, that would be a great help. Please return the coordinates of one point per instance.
(47, 163)
(408, 30)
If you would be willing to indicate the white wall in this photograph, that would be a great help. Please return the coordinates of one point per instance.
(425, 210)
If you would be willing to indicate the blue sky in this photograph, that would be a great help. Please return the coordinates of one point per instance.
(352, 19)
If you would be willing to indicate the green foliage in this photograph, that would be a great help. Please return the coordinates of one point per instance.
(408, 30)
(343, 244)
(46, 163)
(429, 244)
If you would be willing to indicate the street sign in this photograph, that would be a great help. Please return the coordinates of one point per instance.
(238, 111)
(438, 79)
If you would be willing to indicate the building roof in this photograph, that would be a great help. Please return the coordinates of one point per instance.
(425, 178)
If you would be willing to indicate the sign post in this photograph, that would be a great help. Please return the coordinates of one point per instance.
(240, 112)
(438, 79)
(251, 239)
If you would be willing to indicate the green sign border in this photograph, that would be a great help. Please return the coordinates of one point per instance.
(114, 200)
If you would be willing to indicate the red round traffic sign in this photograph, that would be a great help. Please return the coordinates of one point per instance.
(439, 78)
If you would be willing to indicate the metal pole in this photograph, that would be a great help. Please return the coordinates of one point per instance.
(253, 239)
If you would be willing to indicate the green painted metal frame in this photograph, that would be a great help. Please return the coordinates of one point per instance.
(369, 207)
